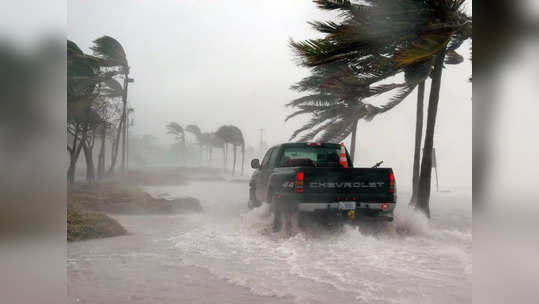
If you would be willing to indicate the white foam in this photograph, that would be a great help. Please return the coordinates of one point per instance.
(412, 259)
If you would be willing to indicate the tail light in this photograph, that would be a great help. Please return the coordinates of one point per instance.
(391, 182)
(385, 206)
(300, 177)
(342, 159)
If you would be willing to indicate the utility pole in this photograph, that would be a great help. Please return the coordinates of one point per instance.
(124, 117)
(127, 80)
(127, 139)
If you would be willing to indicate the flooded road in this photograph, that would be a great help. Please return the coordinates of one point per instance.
(227, 254)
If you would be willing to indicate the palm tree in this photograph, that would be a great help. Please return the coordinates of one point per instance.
(195, 130)
(204, 141)
(215, 141)
(238, 141)
(381, 39)
(82, 80)
(232, 135)
(178, 132)
(226, 134)
(111, 90)
(418, 136)
(450, 12)
(114, 56)
(83, 74)
(335, 99)
(89, 85)
(454, 59)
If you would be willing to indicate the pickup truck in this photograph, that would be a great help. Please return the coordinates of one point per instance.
(311, 178)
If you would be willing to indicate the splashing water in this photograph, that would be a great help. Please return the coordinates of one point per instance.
(412, 260)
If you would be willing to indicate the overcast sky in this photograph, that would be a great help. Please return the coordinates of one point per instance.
(211, 63)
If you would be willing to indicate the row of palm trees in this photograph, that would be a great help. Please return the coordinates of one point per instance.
(361, 54)
(226, 137)
(97, 105)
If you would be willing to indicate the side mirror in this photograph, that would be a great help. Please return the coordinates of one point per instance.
(255, 163)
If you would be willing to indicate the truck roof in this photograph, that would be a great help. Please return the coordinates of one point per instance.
(301, 144)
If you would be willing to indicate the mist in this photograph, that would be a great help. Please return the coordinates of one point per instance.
(174, 223)
(210, 63)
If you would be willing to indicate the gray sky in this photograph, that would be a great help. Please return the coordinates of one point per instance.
(228, 62)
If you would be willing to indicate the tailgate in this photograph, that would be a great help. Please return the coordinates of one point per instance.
(360, 184)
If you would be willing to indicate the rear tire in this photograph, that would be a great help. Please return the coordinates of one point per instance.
(285, 217)
(277, 216)
(252, 202)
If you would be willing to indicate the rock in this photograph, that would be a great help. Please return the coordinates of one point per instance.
(90, 225)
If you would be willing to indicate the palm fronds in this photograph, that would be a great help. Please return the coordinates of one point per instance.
(333, 4)
(375, 40)
(110, 50)
(194, 129)
(424, 48)
(175, 129)
(452, 57)
(112, 88)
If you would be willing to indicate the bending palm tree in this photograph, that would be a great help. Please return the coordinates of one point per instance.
(205, 141)
(195, 130)
(381, 39)
(226, 134)
(178, 132)
(112, 52)
(335, 99)
(233, 135)
(89, 85)
(215, 141)
(238, 141)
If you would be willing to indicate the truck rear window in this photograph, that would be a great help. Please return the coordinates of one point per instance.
(310, 156)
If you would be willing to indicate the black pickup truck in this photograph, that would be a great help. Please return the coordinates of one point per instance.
(311, 178)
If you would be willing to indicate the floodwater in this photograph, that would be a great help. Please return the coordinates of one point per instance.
(228, 254)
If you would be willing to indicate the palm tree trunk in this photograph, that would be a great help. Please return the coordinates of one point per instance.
(115, 147)
(73, 156)
(73, 164)
(90, 169)
(127, 141)
(88, 147)
(76, 153)
(71, 171)
(234, 163)
(418, 139)
(124, 118)
(101, 156)
(224, 155)
(353, 142)
(423, 196)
